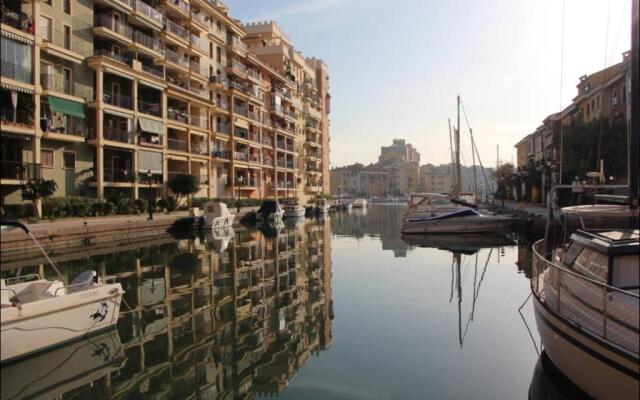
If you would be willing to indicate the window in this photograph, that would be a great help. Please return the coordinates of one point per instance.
(46, 157)
(218, 54)
(66, 80)
(16, 60)
(66, 6)
(45, 27)
(614, 97)
(47, 2)
(67, 37)
(69, 160)
(624, 93)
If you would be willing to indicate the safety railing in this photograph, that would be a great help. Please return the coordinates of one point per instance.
(602, 310)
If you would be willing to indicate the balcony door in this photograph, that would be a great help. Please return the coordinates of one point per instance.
(45, 28)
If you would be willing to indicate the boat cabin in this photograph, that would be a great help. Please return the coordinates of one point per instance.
(610, 257)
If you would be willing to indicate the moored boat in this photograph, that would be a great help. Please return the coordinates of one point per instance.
(37, 314)
(216, 215)
(321, 206)
(359, 203)
(269, 210)
(292, 209)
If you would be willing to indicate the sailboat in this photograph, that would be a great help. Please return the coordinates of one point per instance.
(455, 213)
(586, 293)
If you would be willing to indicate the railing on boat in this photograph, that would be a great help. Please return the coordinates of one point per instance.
(604, 311)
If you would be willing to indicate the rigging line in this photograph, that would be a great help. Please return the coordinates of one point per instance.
(561, 83)
(474, 147)
(535, 346)
(604, 82)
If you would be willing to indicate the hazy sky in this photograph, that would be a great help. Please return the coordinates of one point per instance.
(397, 66)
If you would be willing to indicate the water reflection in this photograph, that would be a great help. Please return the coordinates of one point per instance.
(224, 315)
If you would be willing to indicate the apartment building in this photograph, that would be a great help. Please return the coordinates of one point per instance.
(117, 97)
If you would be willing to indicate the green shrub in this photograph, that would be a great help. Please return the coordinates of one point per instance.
(199, 201)
(108, 208)
(97, 209)
(163, 204)
(15, 211)
(140, 205)
(172, 203)
(123, 206)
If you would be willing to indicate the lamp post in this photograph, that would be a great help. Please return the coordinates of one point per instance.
(150, 205)
(239, 178)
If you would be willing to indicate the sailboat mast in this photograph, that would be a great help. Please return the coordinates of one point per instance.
(634, 124)
(453, 158)
(457, 142)
(473, 160)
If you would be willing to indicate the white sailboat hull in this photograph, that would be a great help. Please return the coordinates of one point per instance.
(49, 322)
(597, 368)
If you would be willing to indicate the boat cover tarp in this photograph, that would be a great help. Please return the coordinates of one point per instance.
(269, 206)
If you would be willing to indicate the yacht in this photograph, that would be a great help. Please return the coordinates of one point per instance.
(437, 213)
(321, 206)
(270, 210)
(359, 203)
(292, 209)
(587, 302)
(38, 314)
(216, 216)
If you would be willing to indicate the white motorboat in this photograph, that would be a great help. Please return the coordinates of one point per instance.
(216, 215)
(321, 206)
(54, 373)
(436, 213)
(587, 302)
(38, 314)
(293, 210)
(359, 203)
(269, 210)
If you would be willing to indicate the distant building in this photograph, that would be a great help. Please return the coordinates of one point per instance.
(399, 150)
(436, 179)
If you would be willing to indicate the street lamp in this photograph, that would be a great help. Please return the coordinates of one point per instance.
(239, 184)
(150, 206)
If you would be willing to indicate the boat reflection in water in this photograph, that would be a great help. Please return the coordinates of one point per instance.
(226, 315)
(63, 369)
(548, 383)
(464, 245)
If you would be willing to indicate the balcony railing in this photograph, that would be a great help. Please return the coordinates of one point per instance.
(118, 134)
(106, 21)
(119, 175)
(69, 42)
(202, 92)
(16, 117)
(17, 72)
(146, 40)
(180, 5)
(195, 41)
(178, 115)
(110, 54)
(278, 108)
(57, 83)
(177, 144)
(200, 121)
(240, 110)
(150, 139)
(240, 156)
(147, 10)
(254, 74)
(17, 20)
(153, 70)
(19, 170)
(281, 163)
(150, 108)
(222, 128)
(219, 80)
(220, 154)
(199, 17)
(222, 103)
(176, 58)
(238, 65)
(72, 126)
(267, 141)
(178, 30)
(254, 115)
(118, 100)
(199, 148)
(254, 158)
(237, 43)
(195, 66)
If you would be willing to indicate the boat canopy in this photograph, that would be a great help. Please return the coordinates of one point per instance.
(269, 207)
(416, 199)
(217, 209)
(463, 212)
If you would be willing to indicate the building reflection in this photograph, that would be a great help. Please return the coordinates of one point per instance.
(383, 222)
(214, 318)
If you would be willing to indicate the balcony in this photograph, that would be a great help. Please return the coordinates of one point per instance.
(200, 19)
(65, 46)
(19, 118)
(118, 100)
(150, 108)
(254, 158)
(16, 20)
(177, 144)
(199, 147)
(118, 135)
(217, 81)
(148, 44)
(237, 45)
(240, 156)
(108, 28)
(111, 55)
(222, 104)
(240, 111)
(178, 31)
(196, 68)
(117, 175)
(196, 44)
(71, 126)
(145, 15)
(150, 139)
(254, 115)
(255, 75)
(17, 72)
(177, 59)
(178, 115)
(224, 154)
(199, 121)
(222, 128)
(20, 171)
(56, 83)
(153, 70)
(176, 7)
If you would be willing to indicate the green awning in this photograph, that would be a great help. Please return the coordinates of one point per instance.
(66, 107)
(150, 125)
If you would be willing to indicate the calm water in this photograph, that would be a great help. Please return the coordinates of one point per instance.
(341, 308)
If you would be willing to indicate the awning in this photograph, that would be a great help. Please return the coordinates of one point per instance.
(66, 107)
(16, 88)
(118, 73)
(117, 113)
(150, 125)
(149, 161)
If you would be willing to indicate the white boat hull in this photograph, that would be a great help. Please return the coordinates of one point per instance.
(40, 325)
(297, 213)
(599, 369)
(473, 224)
(219, 222)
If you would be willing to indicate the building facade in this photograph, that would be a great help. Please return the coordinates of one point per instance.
(116, 98)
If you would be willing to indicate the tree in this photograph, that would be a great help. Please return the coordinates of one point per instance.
(184, 185)
(503, 176)
(36, 190)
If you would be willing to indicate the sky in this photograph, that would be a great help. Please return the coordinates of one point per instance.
(396, 67)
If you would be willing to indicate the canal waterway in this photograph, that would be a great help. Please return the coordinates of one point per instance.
(337, 308)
